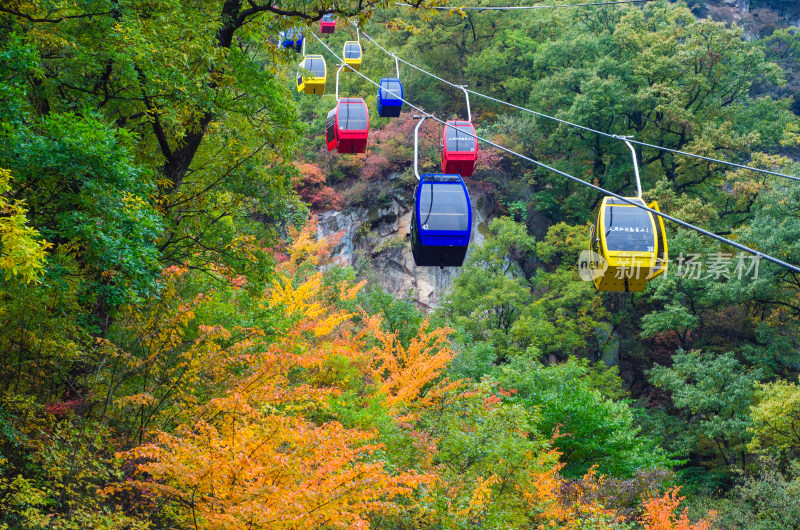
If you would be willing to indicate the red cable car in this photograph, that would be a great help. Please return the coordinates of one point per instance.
(459, 151)
(328, 23)
(347, 126)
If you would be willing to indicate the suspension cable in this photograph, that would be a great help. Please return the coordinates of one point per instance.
(675, 220)
(508, 8)
(583, 127)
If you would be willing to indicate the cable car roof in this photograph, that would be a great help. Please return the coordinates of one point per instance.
(443, 204)
(352, 50)
(438, 177)
(352, 116)
(314, 64)
(614, 200)
(391, 88)
(456, 140)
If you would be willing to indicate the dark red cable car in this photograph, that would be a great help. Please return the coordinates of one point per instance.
(328, 23)
(347, 126)
(459, 151)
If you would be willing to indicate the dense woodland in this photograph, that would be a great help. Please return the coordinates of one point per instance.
(179, 350)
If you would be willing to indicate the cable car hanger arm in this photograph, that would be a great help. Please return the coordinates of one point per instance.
(337, 72)
(466, 95)
(416, 143)
(635, 163)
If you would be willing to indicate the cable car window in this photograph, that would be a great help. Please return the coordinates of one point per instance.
(614, 200)
(391, 90)
(316, 66)
(443, 207)
(661, 245)
(442, 178)
(352, 50)
(457, 140)
(352, 117)
(330, 133)
(328, 18)
(629, 228)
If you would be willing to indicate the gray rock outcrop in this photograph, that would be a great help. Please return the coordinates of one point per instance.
(382, 235)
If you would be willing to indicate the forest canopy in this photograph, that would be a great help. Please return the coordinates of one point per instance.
(182, 349)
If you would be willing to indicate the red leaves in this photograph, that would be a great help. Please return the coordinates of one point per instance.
(61, 409)
(314, 190)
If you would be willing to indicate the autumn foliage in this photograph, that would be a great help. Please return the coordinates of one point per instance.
(250, 438)
(251, 457)
(313, 188)
(662, 513)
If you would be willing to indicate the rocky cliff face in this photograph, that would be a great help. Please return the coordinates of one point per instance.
(741, 5)
(751, 14)
(378, 240)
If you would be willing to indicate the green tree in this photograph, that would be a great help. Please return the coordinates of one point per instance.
(765, 500)
(713, 394)
(776, 418)
(565, 314)
(593, 429)
(490, 293)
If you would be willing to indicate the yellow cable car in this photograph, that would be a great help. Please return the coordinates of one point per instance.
(312, 75)
(629, 245)
(352, 54)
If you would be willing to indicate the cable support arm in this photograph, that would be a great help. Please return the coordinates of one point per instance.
(416, 143)
(626, 139)
(466, 95)
(337, 74)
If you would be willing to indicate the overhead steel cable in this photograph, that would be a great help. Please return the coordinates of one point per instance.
(509, 8)
(576, 125)
(631, 140)
(675, 220)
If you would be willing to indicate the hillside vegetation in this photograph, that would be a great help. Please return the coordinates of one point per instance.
(179, 349)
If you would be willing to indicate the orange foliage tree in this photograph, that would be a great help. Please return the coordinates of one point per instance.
(660, 514)
(559, 503)
(556, 503)
(404, 372)
(253, 456)
(248, 436)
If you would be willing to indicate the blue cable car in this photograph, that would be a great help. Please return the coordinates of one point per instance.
(441, 222)
(292, 38)
(390, 97)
